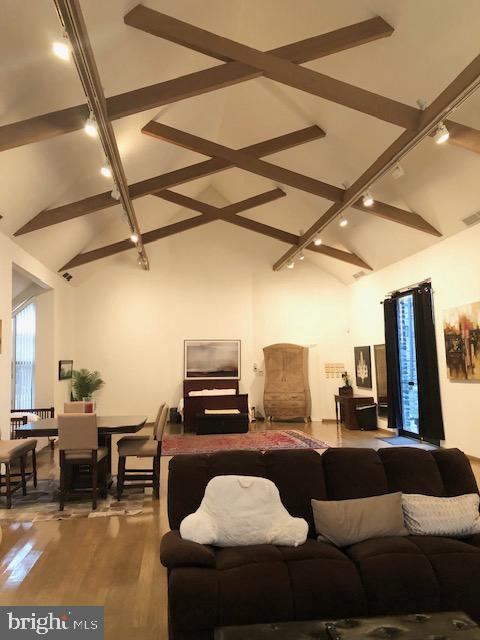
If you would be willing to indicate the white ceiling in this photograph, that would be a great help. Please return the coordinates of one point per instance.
(430, 46)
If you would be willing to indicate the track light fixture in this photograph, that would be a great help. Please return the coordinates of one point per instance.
(115, 193)
(106, 170)
(442, 134)
(317, 241)
(290, 264)
(134, 237)
(367, 199)
(301, 256)
(343, 222)
(90, 127)
(61, 49)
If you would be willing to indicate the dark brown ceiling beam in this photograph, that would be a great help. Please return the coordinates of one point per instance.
(280, 175)
(464, 85)
(71, 119)
(104, 200)
(273, 67)
(209, 214)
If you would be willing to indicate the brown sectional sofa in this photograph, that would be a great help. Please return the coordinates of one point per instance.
(210, 587)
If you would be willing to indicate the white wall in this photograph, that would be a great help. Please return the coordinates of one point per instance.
(130, 325)
(453, 266)
(62, 318)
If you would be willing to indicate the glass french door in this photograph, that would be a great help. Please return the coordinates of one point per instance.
(408, 366)
(23, 358)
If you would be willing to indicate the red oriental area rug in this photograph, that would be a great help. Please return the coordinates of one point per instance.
(173, 445)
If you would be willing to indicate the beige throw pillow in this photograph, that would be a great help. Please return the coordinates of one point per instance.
(346, 522)
(458, 517)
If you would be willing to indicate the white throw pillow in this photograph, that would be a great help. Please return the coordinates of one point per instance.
(458, 517)
(242, 510)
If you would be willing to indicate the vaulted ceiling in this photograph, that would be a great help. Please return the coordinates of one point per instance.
(425, 52)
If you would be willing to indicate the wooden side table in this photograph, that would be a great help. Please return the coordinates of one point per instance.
(345, 409)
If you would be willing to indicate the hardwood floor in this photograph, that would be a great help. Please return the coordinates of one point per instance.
(112, 561)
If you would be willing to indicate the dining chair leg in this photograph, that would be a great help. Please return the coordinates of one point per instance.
(63, 471)
(121, 476)
(22, 473)
(52, 443)
(8, 486)
(156, 477)
(94, 480)
(34, 467)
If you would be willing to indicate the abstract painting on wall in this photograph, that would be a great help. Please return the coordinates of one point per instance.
(461, 327)
(212, 359)
(363, 367)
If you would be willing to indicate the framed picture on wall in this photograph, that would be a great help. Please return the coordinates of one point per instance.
(65, 368)
(363, 367)
(461, 328)
(218, 359)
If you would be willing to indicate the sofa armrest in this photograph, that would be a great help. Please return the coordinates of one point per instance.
(176, 552)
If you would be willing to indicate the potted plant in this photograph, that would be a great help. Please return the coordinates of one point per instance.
(84, 385)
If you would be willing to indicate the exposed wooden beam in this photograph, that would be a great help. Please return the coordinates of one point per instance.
(104, 200)
(71, 17)
(464, 85)
(210, 213)
(281, 175)
(273, 67)
(71, 119)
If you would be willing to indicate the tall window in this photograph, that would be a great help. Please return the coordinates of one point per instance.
(408, 364)
(414, 404)
(23, 355)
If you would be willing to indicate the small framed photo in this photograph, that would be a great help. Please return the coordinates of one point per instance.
(65, 368)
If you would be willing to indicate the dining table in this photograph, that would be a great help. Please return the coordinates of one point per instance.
(108, 426)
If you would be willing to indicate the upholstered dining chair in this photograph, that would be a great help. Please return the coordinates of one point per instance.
(142, 447)
(78, 445)
(74, 407)
(11, 452)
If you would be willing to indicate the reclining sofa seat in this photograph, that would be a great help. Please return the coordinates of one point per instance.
(210, 587)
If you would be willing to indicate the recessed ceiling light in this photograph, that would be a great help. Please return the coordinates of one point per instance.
(317, 241)
(343, 222)
(106, 170)
(291, 264)
(134, 237)
(367, 199)
(61, 49)
(90, 127)
(442, 134)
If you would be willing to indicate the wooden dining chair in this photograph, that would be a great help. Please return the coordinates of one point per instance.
(41, 412)
(11, 453)
(142, 447)
(16, 422)
(78, 445)
(74, 407)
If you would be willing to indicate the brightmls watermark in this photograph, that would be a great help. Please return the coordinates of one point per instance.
(26, 623)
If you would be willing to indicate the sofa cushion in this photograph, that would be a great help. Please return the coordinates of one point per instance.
(325, 583)
(397, 576)
(457, 569)
(456, 471)
(353, 473)
(412, 470)
(314, 580)
(299, 477)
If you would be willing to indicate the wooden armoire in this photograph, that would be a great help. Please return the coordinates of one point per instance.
(287, 392)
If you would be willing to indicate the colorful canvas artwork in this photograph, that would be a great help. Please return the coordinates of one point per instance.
(461, 327)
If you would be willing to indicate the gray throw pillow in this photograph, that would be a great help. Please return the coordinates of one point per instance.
(345, 522)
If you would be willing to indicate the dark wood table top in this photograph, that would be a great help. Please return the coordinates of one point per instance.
(106, 425)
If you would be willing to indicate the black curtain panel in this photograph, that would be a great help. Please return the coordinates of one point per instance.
(429, 402)
(393, 368)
